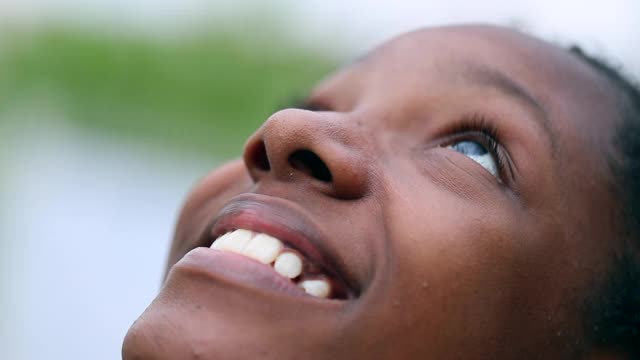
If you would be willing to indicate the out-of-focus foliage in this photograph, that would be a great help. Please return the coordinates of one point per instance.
(204, 92)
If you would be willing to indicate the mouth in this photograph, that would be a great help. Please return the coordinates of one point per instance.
(270, 239)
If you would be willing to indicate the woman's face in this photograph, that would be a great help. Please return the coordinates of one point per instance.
(449, 187)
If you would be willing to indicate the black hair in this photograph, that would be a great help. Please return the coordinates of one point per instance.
(613, 316)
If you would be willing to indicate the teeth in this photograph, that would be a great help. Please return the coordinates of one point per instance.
(222, 243)
(234, 241)
(263, 248)
(288, 265)
(267, 250)
(319, 288)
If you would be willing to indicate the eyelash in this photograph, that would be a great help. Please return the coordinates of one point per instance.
(476, 127)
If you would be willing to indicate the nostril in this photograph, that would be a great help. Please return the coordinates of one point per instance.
(309, 163)
(260, 157)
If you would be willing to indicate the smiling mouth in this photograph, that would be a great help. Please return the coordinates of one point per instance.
(267, 242)
(284, 260)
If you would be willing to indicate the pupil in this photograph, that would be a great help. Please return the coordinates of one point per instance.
(470, 148)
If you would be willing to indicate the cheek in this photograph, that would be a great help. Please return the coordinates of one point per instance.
(469, 272)
(223, 182)
(453, 263)
(211, 193)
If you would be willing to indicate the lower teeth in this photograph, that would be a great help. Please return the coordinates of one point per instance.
(319, 288)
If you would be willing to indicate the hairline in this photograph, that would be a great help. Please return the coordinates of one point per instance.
(609, 308)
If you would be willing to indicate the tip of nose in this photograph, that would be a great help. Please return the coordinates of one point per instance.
(309, 163)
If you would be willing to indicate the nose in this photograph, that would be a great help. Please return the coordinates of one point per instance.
(315, 149)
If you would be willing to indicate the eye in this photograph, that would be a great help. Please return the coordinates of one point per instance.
(478, 153)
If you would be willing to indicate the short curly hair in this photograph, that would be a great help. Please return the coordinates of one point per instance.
(613, 314)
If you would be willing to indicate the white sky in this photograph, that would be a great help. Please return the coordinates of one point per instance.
(606, 27)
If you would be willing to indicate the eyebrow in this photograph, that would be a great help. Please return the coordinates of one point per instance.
(485, 76)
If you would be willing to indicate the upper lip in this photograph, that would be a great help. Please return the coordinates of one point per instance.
(284, 220)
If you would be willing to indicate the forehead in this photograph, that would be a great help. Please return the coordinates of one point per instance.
(576, 102)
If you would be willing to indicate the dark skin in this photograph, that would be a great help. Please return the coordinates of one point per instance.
(443, 259)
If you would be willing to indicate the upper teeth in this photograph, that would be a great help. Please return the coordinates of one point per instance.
(288, 264)
(263, 248)
(269, 250)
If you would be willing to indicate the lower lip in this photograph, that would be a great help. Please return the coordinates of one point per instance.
(228, 267)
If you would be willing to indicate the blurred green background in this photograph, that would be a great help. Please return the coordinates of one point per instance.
(201, 93)
(102, 134)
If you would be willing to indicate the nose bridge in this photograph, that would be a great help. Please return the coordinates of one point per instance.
(320, 149)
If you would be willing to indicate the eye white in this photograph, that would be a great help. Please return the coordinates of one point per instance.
(478, 153)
